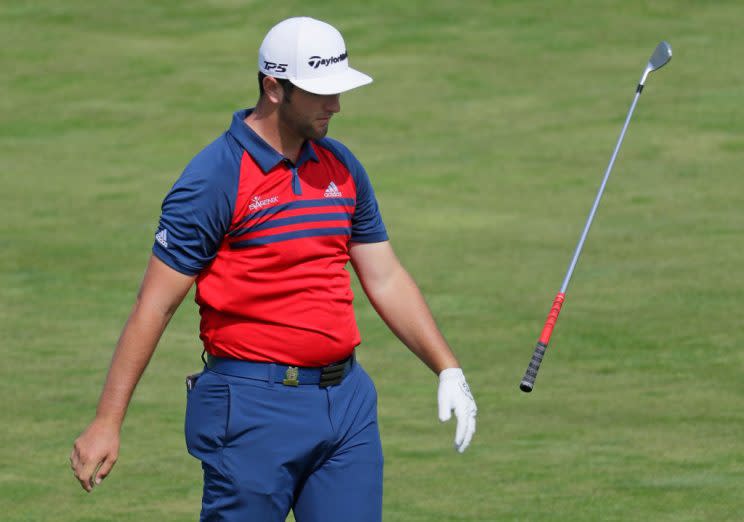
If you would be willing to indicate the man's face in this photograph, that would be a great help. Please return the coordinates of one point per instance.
(307, 114)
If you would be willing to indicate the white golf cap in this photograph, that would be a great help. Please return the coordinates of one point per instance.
(311, 54)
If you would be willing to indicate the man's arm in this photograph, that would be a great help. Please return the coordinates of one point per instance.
(398, 300)
(95, 451)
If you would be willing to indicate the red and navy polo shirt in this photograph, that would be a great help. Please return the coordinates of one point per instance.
(269, 242)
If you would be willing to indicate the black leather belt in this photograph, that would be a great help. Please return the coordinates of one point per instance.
(288, 375)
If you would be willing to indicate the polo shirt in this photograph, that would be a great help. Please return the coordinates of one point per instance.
(269, 243)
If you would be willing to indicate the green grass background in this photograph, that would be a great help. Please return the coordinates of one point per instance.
(486, 134)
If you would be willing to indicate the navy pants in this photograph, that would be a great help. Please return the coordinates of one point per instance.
(267, 448)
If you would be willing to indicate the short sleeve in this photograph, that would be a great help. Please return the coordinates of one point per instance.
(366, 224)
(196, 214)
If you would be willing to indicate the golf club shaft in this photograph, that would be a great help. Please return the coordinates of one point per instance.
(528, 381)
(593, 211)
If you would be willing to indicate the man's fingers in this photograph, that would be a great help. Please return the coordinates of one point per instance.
(73, 459)
(104, 469)
(465, 428)
(445, 411)
(469, 432)
(83, 474)
(89, 471)
(462, 426)
(78, 467)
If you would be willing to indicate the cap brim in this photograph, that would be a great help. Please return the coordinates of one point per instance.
(334, 84)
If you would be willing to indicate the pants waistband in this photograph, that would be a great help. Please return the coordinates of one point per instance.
(329, 375)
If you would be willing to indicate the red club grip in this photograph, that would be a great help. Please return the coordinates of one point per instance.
(552, 318)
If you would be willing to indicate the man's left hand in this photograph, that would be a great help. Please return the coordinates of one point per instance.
(454, 394)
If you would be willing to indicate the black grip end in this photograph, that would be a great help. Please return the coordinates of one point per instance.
(528, 381)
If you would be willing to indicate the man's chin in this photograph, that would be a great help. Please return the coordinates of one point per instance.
(319, 134)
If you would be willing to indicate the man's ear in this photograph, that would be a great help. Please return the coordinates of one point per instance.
(273, 90)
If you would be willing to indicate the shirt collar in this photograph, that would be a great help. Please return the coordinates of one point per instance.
(263, 153)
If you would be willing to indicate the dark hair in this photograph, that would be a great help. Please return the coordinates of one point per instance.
(286, 84)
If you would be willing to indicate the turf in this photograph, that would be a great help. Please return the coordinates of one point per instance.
(485, 133)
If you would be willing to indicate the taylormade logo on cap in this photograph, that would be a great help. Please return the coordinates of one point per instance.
(311, 54)
(317, 61)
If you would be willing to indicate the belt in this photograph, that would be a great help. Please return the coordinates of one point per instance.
(329, 375)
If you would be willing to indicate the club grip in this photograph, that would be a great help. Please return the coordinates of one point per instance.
(528, 381)
(552, 318)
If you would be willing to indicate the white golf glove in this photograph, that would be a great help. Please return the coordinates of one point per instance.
(454, 394)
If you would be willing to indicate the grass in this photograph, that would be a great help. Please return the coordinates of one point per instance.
(485, 134)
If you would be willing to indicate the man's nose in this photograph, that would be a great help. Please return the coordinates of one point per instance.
(333, 103)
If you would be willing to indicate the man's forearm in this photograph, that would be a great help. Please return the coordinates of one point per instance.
(133, 352)
(401, 305)
(161, 293)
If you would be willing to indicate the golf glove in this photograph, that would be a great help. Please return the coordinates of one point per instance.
(454, 394)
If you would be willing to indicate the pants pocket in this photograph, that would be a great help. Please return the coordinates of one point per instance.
(207, 415)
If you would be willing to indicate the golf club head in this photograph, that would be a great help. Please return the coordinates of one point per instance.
(662, 55)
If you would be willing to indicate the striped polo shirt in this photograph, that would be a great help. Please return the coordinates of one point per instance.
(269, 242)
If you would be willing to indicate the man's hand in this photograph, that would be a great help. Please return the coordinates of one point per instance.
(94, 453)
(454, 394)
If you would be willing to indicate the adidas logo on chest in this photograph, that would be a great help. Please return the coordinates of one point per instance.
(332, 191)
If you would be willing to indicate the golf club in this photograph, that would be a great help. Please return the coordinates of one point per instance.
(661, 56)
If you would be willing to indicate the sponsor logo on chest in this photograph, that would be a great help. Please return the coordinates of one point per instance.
(257, 203)
(332, 191)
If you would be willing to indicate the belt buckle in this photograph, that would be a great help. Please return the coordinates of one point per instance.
(333, 374)
(291, 376)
